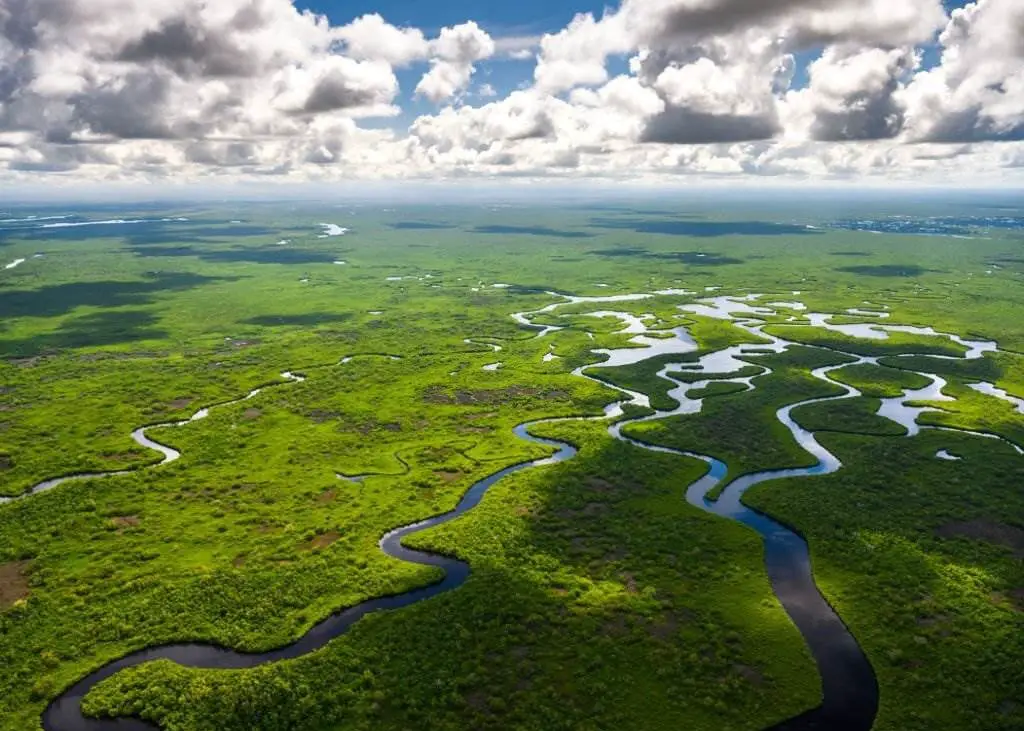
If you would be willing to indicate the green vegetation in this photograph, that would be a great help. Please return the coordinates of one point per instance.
(717, 388)
(922, 559)
(1006, 370)
(598, 598)
(897, 342)
(694, 376)
(582, 601)
(878, 382)
(643, 378)
(851, 416)
(979, 412)
(710, 334)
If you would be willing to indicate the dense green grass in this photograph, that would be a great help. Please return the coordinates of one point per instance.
(598, 597)
(878, 382)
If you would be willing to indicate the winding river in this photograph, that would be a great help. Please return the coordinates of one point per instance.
(850, 690)
(140, 437)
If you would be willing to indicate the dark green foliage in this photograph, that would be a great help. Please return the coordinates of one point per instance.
(851, 416)
(907, 548)
(716, 389)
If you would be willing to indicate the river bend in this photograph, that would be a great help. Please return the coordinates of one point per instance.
(850, 690)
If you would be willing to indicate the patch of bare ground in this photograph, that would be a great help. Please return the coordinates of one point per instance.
(326, 497)
(483, 415)
(1017, 597)
(666, 627)
(990, 531)
(1013, 599)
(598, 484)
(446, 476)
(138, 355)
(239, 561)
(320, 416)
(13, 583)
(477, 700)
(629, 581)
(119, 456)
(125, 521)
(615, 626)
(750, 674)
(590, 510)
(250, 414)
(323, 540)
(180, 403)
(25, 362)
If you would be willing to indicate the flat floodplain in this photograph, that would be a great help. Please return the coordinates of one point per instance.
(314, 376)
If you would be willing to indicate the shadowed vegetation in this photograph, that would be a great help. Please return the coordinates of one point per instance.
(530, 231)
(885, 270)
(940, 617)
(696, 258)
(703, 229)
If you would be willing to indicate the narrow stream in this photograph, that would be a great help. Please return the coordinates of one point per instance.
(140, 437)
(850, 690)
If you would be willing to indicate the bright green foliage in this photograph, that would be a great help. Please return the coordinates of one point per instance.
(896, 342)
(694, 376)
(595, 591)
(1006, 370)
(978, 411)
(598, 598)
(878, 382)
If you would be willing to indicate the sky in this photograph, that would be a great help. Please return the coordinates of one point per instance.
(103, 94)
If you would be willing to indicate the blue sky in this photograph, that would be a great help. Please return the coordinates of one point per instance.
(523, 17)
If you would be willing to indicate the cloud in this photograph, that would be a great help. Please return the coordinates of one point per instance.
(517, 47)
(854, 94)
(454, 52)
(183, 69)
(801, 22)
(337, 83)
(977, 91)
(371, 38)
(682, 126)
(235, 89)
(577, 54)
